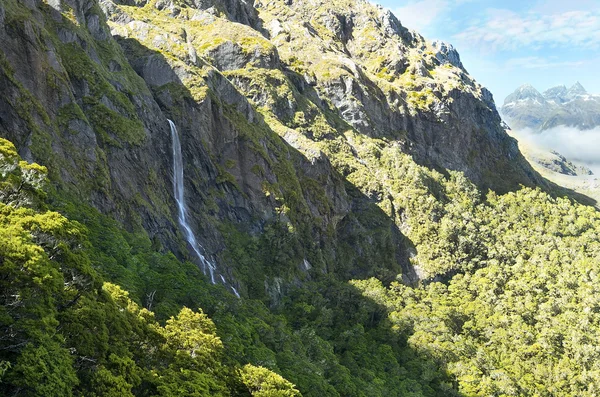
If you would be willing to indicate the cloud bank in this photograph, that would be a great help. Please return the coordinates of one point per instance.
(535, 62)
(576, 145)
(503, 29)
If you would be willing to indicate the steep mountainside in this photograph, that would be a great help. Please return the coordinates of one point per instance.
(276, 105)
(198, 151)
(573, 107)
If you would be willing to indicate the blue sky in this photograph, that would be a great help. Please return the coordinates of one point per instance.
(504, 44)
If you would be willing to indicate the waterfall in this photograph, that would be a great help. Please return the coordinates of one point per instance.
(208, 268)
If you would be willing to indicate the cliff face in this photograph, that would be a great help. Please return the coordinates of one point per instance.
(285, 112)
(72, 101)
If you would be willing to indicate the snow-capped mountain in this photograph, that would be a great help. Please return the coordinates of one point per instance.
(574, 107)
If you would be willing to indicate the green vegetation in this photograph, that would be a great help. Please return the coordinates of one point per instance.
(507, 305)
(73, 334)
(521, 281)
(525, 324)
(65, 332)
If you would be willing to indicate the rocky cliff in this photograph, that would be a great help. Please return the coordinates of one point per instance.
(316, 154)
(294, 118)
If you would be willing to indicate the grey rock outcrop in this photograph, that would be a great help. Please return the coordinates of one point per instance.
(446, 53)
(270, 101)
(556, 162)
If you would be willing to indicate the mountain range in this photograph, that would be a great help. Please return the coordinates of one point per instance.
(276, 198)
(526, 107)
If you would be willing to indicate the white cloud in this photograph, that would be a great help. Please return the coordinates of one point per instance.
(506, 30)
(557, 6)
(421, 14)
(574, 144)
(535, 62)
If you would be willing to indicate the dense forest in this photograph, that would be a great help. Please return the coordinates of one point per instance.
(519, 316)
(346, 176)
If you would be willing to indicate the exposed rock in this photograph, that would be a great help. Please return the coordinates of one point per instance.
(192, 54)
(112, 11)
(95, 28)
(228, 56)
(445, 53)
(136, 3)
(568, 168)
(155, 70)
(488, 98)
(273, 131)
(392, 25)
(419, 69)
(53, 61)
(114, 66)
(340, 25)
(576, 90)
(275, 28)
(556, 94)
(164, 4)
(67, 36)
(71, 94)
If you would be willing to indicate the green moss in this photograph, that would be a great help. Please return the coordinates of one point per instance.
(315, 191)
(252, 43)
(131, 83)
(196, 88)
(230, 163)
(32, 112)
(67, 113)
(112, 127)
(16, 13)
(209, 45)
(257, 170)
(329, 68)
(204, 37)
(421, 99)
(225, 177)
(27, 106)
(251, 132)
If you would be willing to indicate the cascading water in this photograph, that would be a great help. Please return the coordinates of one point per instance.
(178, 190)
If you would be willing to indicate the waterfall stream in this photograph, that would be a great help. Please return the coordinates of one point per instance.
(208, 267)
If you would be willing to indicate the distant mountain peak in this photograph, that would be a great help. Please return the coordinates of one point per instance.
(559, 105)
(557, 94)
(576, 90)
(526, 92)
(528, 89)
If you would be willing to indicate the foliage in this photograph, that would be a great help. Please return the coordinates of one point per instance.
(63, 332)
(264, 383)
(525, 323)
(66, 332)
(20, 182)
(513, 310)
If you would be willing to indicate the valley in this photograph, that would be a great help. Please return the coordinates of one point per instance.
(282, 199)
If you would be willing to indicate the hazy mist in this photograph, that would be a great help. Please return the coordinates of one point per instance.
(576, 145)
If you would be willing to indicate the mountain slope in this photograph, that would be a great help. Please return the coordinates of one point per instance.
(320, 142)
(270, 140)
